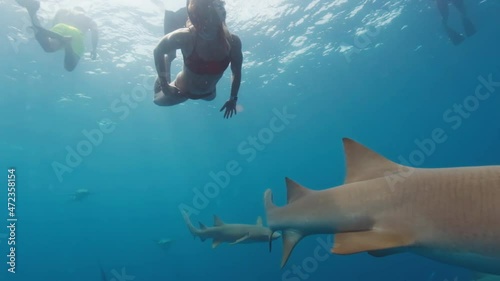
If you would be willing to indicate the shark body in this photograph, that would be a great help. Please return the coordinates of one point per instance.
(231, 233)
(450, 215)
(80, 194)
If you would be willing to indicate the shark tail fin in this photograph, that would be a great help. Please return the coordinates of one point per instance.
(190, 226)
(202, 227)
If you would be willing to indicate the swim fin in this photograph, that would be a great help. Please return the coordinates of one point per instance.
(469, 27)
(174, 20)
(455, 37)
(31, 5)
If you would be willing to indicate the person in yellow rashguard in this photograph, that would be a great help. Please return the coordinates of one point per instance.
(68, 32)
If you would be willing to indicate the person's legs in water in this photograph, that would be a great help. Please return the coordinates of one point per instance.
(48, 40)
(32, 6)
(71, 59)
(74, 48)
(455, 37)
(469, 27)
(167, 99)
(443, 10)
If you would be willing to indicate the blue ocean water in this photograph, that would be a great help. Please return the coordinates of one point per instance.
(381, 72)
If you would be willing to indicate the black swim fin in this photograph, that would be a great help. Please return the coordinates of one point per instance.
(31, 5)
(174, 20)
(455, 37)
(469, 27)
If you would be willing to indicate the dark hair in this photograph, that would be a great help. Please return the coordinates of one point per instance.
(195, 9)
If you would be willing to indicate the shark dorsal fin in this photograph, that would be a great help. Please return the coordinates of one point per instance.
(259, 221)
(217, 221)
(363, 163)
(295, 190)
(202, 226)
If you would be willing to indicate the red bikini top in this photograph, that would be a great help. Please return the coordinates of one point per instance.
(200, 66)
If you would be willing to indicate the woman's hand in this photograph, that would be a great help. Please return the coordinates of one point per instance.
(230, 107)
(166, 88)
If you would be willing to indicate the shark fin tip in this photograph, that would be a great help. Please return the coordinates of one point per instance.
(364, 164)
(218, 221)
(295, 190)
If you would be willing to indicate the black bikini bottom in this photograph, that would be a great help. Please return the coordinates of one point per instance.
(185, 95)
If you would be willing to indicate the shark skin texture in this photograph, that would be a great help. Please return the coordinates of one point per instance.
(451, 215)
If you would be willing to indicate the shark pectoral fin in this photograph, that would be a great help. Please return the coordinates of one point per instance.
(369, 241)
(290, 240)
(215, 243)
(245, 237)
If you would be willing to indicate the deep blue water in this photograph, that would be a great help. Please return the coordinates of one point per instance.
(380, 72)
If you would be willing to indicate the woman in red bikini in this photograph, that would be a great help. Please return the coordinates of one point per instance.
(208, 49)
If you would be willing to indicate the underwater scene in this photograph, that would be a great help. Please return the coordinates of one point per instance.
(263, 140)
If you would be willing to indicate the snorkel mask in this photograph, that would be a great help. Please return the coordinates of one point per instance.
(199, 15)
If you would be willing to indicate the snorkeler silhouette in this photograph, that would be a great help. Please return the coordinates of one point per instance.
(455, 37)
(68, 32)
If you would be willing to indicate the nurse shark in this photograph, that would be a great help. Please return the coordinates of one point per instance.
(451, 215)
(231, 233)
